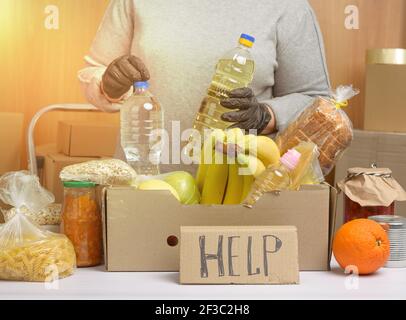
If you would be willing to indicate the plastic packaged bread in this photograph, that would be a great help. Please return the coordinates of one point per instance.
(325, 124)
(27, 252)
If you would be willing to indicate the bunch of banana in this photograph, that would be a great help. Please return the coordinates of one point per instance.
(230, 162)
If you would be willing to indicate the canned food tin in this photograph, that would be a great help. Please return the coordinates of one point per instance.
(395, 227)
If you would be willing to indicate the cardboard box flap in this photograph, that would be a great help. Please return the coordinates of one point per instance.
(333, 218)
(104, 223)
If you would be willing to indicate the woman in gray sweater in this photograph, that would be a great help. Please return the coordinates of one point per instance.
(176, 43)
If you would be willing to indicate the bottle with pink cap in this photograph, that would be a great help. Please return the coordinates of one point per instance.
(275, 178)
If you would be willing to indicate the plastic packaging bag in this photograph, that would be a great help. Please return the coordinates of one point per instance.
(308, 170)
(28, 253)
(101, 172)
(326, 125)
(51, 215)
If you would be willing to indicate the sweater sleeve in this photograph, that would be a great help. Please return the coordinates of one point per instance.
(301, 73)
(113, 39)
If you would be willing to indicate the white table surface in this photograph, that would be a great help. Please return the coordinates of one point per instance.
(95, 283)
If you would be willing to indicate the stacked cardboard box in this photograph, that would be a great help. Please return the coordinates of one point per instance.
(384, 140)
(84, 139)
(385, 104)
(77, 142)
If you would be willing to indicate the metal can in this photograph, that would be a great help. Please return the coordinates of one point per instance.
(395, 227)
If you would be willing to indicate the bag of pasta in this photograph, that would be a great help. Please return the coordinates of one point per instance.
(28, 253)
(325, 124)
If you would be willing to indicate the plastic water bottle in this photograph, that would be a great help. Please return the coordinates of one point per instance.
(234, 70)
(275, 178)
(141, 122)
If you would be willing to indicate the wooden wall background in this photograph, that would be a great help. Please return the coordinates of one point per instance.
(38, 66)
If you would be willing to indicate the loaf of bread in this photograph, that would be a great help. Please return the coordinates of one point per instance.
(323, 124)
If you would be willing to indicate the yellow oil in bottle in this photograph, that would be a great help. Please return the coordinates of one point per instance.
(229, 75)
(235, 70)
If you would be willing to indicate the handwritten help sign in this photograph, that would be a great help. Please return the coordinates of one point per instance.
(239, 255)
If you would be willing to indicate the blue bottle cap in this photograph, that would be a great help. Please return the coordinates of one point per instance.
(247, 40)
(141, 85)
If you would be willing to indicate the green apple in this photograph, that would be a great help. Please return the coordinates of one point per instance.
(185, 186)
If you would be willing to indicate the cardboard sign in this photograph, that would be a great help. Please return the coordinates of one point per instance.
(239, 255)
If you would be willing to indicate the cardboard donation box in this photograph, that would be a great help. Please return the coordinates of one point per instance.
(386, 150)
(11, 138)
(239, 255)
(385, 100)
(53, 165)
(142, 228)
(84, 139)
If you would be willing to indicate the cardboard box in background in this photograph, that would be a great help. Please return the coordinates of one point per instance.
(385, 95)
(11, 138)
(138, 225)
(385, 149)
(54, 163)
(41, 152)
(84, 139)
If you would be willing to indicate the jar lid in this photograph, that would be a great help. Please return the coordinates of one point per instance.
(372, 187)
(78, 184)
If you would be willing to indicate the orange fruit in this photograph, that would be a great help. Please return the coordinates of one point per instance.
(362, 243)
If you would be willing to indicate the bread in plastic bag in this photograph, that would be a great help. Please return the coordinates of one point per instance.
(28, 253)
(326, 125)
(101, 172)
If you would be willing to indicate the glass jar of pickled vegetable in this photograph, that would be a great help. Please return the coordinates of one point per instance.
(369, 192)
(82, 223)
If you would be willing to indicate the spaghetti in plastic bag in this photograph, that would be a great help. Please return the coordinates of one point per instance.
(28, 253)
(325, 124)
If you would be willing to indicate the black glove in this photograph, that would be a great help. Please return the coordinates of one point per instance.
(250, 114)
(121, 74)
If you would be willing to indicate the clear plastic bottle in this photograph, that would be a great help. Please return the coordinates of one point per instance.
(234, 70)
(276, 177)
(141, 120)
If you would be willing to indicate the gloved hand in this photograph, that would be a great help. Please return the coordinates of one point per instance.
(121, 74)
(250, 114)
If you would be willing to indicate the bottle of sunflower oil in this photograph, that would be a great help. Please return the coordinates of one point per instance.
(234, 70)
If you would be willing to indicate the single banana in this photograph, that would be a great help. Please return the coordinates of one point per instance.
(206, 156)
(251, 165)
(215, 182)
(234, 185)
(264, 148)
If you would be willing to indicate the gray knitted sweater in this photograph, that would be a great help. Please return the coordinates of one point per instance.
(181, 40)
